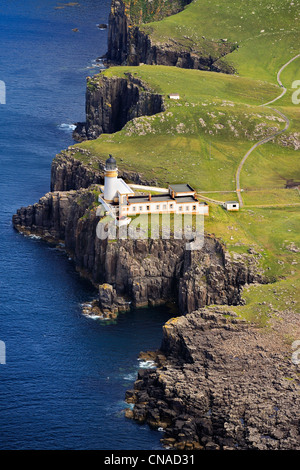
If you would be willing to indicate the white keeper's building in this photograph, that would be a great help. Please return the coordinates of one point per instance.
(120, 201)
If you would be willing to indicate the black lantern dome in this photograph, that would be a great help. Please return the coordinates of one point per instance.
(111, 163)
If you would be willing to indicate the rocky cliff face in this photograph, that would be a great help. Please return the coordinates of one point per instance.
(112, 102)
(220, 383)
(141, 49)
(144, 271)
(128, 44)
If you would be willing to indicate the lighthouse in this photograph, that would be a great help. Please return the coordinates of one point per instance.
(120, 202)
(110, 179)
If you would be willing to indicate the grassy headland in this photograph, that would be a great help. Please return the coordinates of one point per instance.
(202, 138)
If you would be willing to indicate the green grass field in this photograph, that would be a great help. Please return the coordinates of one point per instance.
(202, 138)
(267, 32)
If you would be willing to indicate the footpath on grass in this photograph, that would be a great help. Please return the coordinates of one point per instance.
(266, 139)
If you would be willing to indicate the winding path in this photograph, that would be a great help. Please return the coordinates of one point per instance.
(266, 139)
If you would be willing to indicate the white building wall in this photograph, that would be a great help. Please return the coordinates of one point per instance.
(110, 185)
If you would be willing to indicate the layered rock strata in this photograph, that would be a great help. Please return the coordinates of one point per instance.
(121, 20)
(76, 168)
(220, 383)
(113, 101)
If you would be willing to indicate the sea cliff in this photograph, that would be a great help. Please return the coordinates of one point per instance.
(123, 43)
(142, 271)
(129, 44)
(76, 168)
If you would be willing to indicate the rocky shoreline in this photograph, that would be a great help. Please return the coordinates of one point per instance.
(112, 102)
(220, 382)
(68, 172)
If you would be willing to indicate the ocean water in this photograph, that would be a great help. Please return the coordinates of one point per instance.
(65, 377)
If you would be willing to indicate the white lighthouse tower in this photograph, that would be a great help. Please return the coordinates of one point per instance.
(110, 179)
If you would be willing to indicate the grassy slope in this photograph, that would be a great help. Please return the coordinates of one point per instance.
(202, 138)
(205, 133)
(265, 31)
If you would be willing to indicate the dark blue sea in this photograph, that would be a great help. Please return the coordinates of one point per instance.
(65, 377)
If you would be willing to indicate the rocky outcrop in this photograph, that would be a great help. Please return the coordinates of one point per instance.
(220, 383)
(113, 101)
(117, 33)
(141, 49)
(129, 44)
(122, 18)
(144, 271)
(108, 305)
(68, 172)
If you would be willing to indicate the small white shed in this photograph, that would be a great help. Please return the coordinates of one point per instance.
(174, 96)
(231, 205)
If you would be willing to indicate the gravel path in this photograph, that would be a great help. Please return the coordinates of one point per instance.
(266, 139)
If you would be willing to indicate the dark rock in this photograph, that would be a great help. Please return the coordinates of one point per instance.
(219, 380)
(129, 45)
(113, 101)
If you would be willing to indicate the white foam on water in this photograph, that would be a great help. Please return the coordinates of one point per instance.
(95, 317)
(98, 63)
(86, 305)
(129, 405)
